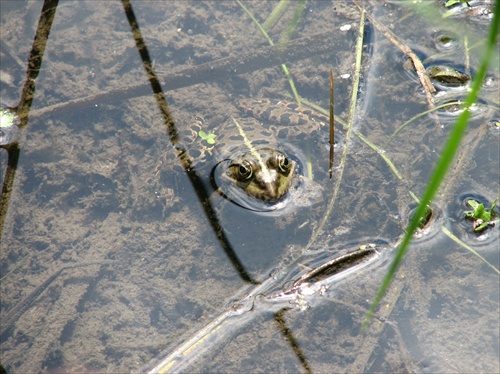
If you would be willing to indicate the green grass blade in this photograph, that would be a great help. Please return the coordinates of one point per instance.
(403, 126)
(275, 15)
(462, 244)
(298, 13)
(292, 25)
(257, 23)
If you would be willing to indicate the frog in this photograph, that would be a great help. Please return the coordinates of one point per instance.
(254, 160)
(253, 170)
(448, 76)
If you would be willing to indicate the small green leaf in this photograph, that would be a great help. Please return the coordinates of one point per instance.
(493, 207)
(6, 118)
(482, 225)
(209, 138)
(482, 217)
(473, 203)
(479, 211)
(450, 3)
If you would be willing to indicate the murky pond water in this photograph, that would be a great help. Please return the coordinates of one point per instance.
(117, 255)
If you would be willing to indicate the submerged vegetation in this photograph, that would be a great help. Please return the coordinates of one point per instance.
(481, 217)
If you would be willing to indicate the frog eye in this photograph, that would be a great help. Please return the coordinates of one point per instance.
(284, 163)
(245, 170)
(281, 161)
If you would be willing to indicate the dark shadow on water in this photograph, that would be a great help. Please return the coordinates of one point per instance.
(279, 318)
(201, 192)
(35, 59)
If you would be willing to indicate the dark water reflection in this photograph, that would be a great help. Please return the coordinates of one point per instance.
(108, 258)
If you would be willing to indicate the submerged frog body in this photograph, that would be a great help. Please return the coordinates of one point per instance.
(255, 164)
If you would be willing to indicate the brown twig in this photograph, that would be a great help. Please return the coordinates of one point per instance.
(332, 125)
(419, 67)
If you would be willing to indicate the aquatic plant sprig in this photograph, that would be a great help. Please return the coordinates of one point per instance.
(481, 216)
(443, 164)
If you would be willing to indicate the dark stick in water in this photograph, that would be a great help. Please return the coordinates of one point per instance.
(332, 124)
